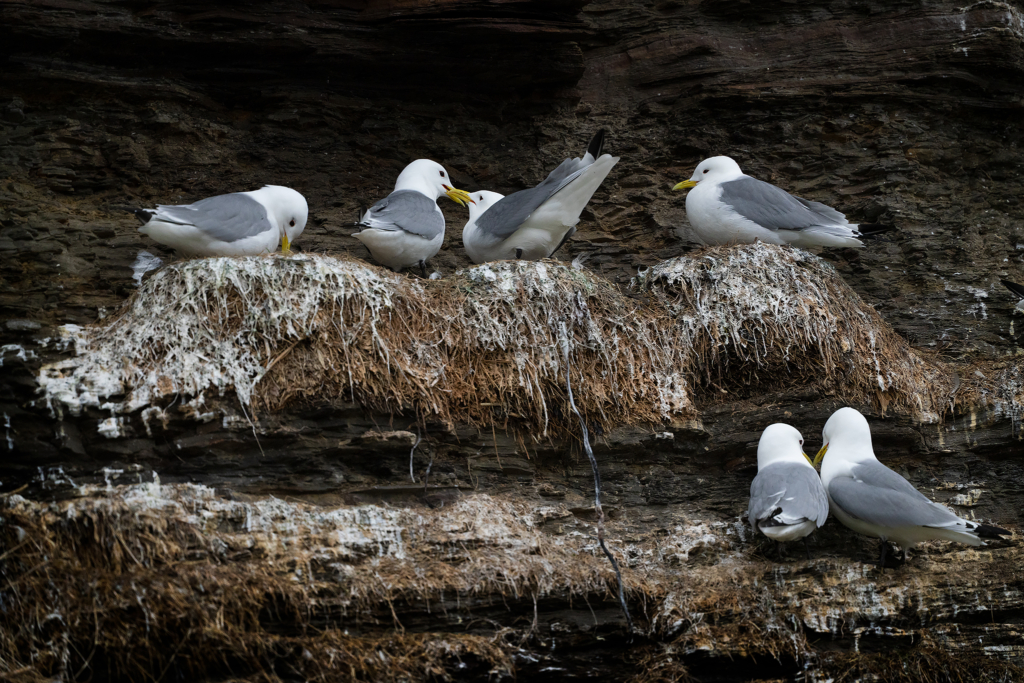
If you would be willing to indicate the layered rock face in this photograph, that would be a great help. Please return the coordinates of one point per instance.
(315, 534)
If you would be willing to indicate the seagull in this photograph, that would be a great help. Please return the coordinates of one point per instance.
(237, 224)
(871, 499)
(407, 227)
(533, 224)
(787, 500)
(726, 206)
(1016, 289)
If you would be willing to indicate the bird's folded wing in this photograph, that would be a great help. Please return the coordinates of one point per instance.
(795, 489)
(879, 496)
(406, 210)
(774, 208)
(227, 218)
(508, 213)
(824, 212)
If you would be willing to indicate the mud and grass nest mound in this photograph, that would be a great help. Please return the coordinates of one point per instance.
(760, 317)
(490, 345)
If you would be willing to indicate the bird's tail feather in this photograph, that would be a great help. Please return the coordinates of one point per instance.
(1014, 287)
(873, 229)
(596, 144)
(989, 531)
(361, 217)
(144, 215)
(565, 206)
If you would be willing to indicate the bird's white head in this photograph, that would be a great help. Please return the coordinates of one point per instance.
(482, 200)
(781, 443)
(848, 435)
(431, 179)
(715, 169)
(288, 208)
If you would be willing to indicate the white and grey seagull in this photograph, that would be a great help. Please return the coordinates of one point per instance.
(533, 224)
(787, 500)
(727, 206)
(237, 224)
(407, 227)
(871, 499)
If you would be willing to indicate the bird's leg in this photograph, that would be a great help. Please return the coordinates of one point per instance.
(807, 548)
(423, 268)
(780, 552)
(519, 253)
(894, 560)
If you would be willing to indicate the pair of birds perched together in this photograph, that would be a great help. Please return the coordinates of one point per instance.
(788, 500)
(406, 228)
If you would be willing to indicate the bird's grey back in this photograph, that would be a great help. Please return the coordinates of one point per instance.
(886, 499)
(800, 483)
(226, 217)
(410, 211)
(508, 213)
(774, 208)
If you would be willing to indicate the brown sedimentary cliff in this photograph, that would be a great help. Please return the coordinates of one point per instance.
(312, 555)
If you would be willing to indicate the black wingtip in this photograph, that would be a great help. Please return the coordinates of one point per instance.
(596, 144)
(144, 215)
(989, 531)
(359, 218)
(1014, 287)
(874, 229)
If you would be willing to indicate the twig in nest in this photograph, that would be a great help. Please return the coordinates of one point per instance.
(412, 452)
(280, 356)
(17, 490)
(597, 480)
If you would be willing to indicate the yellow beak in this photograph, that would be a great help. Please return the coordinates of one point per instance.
(808, 457)
(686, 185)
(820, 455)
(286, 245)
(458, 196)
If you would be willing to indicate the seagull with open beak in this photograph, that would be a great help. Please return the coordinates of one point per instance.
(407, 227)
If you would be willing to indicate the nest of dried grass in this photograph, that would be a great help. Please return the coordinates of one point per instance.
(761, 317)
(488, 345)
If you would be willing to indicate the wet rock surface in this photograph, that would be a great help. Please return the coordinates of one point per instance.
(891, 112)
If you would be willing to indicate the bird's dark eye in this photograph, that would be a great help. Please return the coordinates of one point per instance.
(292, 223)
(441, 173)
(706, 170)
